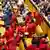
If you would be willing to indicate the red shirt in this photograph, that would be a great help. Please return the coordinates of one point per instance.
(13, 19)
(20, 29)
(48, 48)
(37, 16)
(31, 28)
(18, 39)
(11, 44)
(6, 35)
(9, 33)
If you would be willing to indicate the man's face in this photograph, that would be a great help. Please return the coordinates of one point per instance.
(15, 10)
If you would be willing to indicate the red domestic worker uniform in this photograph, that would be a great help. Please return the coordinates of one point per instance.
(13, 20)
(11, 44)
(48, 48)
(19, 32)
(18, 29)
(31, 29)
(6, 35)
(21, 29)
(9, 33)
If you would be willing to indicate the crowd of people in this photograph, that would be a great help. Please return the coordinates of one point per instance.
(19, 23)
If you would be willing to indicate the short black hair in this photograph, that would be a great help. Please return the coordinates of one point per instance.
(45, 35)
(29, 13)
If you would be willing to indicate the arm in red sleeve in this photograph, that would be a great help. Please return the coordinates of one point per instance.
(10, 40)
(18, 38)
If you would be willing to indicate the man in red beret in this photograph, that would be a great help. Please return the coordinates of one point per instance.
(39, 19)
(36, 18)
